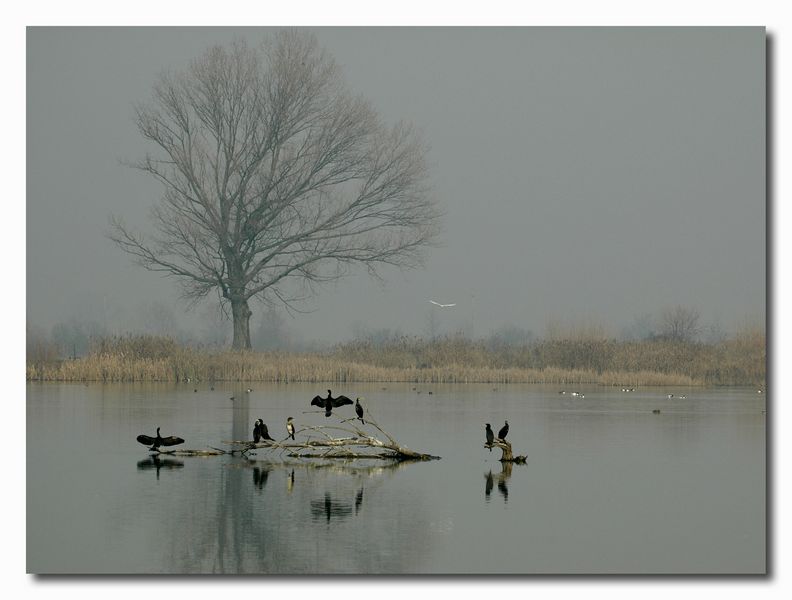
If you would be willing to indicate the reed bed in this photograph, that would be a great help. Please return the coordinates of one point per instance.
(737, 361)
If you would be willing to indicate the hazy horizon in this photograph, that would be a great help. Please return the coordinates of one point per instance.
(588, 175)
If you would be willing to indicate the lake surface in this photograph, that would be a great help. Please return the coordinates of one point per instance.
(609, 487)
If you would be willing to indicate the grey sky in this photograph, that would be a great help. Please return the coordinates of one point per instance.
(593, 174)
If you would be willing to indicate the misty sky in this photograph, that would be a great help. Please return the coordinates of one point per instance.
(586, 174)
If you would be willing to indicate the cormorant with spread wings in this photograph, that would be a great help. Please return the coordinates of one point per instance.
(156, 442)
(330, 403)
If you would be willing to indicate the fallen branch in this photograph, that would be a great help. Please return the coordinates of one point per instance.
(357, 438)
(506, 449)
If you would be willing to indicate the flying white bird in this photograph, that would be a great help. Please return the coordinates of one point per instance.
(442, 305)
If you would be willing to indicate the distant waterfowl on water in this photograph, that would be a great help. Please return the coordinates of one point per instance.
(670, 396)
(290, 427)
(330, 403)
(156, 442)
(656, 411)
(490, 435)
(503, 431)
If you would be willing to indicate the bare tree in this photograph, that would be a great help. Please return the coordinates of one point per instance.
(679, 324)
(275, 179)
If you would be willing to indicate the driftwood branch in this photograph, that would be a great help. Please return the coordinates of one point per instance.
(346, 447)
(506, 449)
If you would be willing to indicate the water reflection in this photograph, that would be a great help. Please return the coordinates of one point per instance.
(260, 477)
(155, 462)
(358, 500)
(329, 508)
(597, 464)
(503, 477)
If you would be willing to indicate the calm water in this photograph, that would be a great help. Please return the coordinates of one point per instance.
(609, 487)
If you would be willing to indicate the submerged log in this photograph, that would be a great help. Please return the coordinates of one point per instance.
(506, 451)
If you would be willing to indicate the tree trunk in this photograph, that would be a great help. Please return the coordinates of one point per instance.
(240, 311)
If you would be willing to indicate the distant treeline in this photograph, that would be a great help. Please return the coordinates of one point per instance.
(738, 360)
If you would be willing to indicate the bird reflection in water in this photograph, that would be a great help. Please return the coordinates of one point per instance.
(290, 482)
(155, 462)
(358, 500)
(503, 477)
(260, 477)
(329, 508)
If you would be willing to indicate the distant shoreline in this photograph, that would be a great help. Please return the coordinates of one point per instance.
(735, 362)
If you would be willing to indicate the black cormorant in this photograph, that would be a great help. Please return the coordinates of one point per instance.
(257, 431)
(503, 431)
(490, 436)
(359, 410)
(264, 432)
(330, 403)
(290, 427)
(156, 442)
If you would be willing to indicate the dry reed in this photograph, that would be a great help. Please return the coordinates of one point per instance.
(737, 361)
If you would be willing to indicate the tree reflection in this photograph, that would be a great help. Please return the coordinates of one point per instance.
(236, 527)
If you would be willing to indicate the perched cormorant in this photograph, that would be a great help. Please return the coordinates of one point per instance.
(156, 442)
(290, 427)
(359, 410)
(264, 431)
(330, 403)
(503, 431)
(490, 436)
(257, 431)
